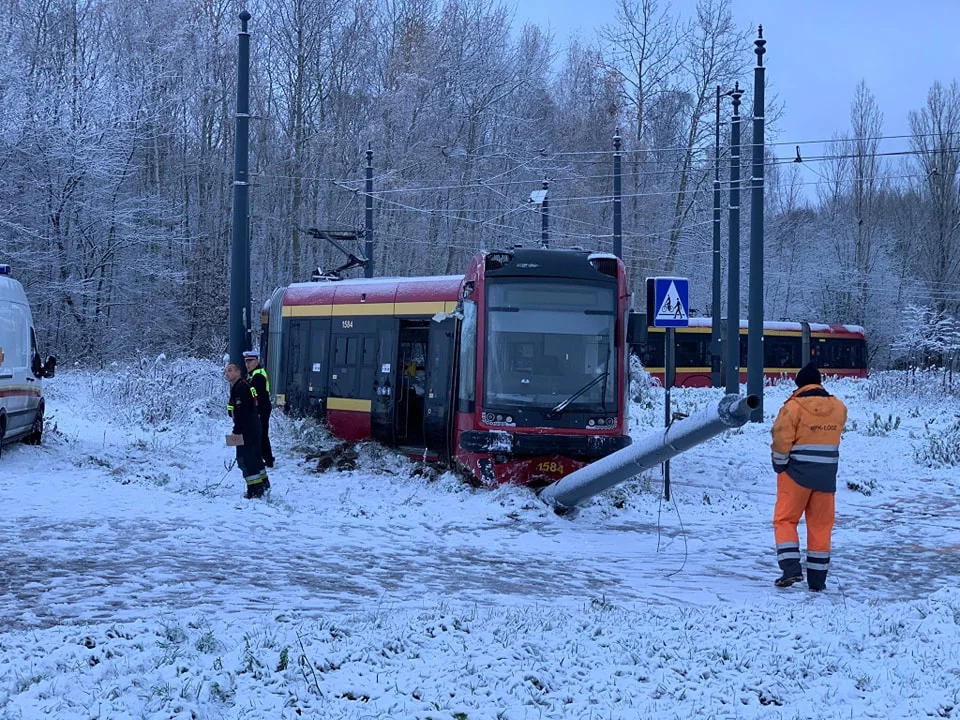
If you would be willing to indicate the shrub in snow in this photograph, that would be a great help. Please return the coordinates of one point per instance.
(865, 487)
(310, 438)
(641, 383)
(879, 427)
(940, 448)
(929, 338)
(631, 493)
(159, 394)
(912, 385)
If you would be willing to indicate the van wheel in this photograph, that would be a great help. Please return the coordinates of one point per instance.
(3, 429)
(35, 436)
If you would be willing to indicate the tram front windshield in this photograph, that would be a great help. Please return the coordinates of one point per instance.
(548, 342)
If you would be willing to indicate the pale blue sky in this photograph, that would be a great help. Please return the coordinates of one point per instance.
(817, 52)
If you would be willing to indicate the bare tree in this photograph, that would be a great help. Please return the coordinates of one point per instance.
(936, 143)
(643, 53)
(867, 127)
(852, 198)
(714, 52)
(787, 237)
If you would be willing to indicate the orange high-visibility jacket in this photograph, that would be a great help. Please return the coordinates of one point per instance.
(806, 438)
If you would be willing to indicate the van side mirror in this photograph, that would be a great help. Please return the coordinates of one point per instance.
(50, 366)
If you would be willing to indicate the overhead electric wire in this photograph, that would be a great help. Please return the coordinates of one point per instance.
(560, 178)
(547, 157)
(463, 214)
(744, 119)
(493, 218)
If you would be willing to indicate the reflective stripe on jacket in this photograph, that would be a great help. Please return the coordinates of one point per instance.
(262, 373)
(260, 384)
(806, 438)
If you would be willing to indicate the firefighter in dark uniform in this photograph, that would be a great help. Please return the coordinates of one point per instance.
(261, 384)
(242, 407)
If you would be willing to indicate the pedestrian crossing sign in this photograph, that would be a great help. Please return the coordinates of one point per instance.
(668, 302)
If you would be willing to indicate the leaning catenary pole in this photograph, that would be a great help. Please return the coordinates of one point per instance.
(733, 254)
(649, 451)
(755, 303)
(240, 250)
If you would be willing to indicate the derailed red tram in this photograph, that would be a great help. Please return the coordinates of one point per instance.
(514, 372)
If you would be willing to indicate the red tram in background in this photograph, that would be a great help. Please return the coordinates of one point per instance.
(514, 372)
(838, 350)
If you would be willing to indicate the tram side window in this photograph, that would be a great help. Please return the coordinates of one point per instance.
(345, 351)
(859, 354)
(651, 352)
(692, 350)
(369, 356)
(828, 355)
(841, 354)
(781, 352)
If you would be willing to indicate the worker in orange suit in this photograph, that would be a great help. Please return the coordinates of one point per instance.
(805, 454)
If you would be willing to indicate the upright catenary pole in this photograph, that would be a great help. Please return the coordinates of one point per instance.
(715, 343)
(755, 305)
(545, 217)
(733, 254)
(240, 251)
(368, 219)
(617, 199)
(669, 377)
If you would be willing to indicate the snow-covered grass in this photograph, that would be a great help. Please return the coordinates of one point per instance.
(599, 661)
(136, 583)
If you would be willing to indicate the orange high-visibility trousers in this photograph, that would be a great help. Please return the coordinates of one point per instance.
(818, 509)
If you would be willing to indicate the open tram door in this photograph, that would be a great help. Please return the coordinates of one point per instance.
(424, 382)
(441, 370)
(411, 384)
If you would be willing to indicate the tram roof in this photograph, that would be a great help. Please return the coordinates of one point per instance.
(786, 326)
(374, 290)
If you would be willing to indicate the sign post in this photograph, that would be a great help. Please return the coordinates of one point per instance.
(668, 307)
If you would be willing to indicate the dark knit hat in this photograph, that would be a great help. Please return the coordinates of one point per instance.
(809, 375)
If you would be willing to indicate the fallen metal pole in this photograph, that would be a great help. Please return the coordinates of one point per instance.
(649, 451)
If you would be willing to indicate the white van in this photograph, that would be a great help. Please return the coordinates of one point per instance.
(21, 370)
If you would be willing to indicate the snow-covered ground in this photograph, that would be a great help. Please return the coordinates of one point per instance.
(135, 582)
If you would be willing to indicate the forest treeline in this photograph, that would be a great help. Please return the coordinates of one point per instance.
(117, 142)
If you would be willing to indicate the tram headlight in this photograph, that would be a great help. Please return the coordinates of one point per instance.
(602, 422)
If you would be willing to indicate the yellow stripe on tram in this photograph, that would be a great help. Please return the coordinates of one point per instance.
(335, 403)
(370, 309)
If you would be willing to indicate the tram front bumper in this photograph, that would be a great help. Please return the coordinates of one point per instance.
(500, 442)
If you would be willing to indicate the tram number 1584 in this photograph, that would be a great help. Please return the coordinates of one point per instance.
(550, 466)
